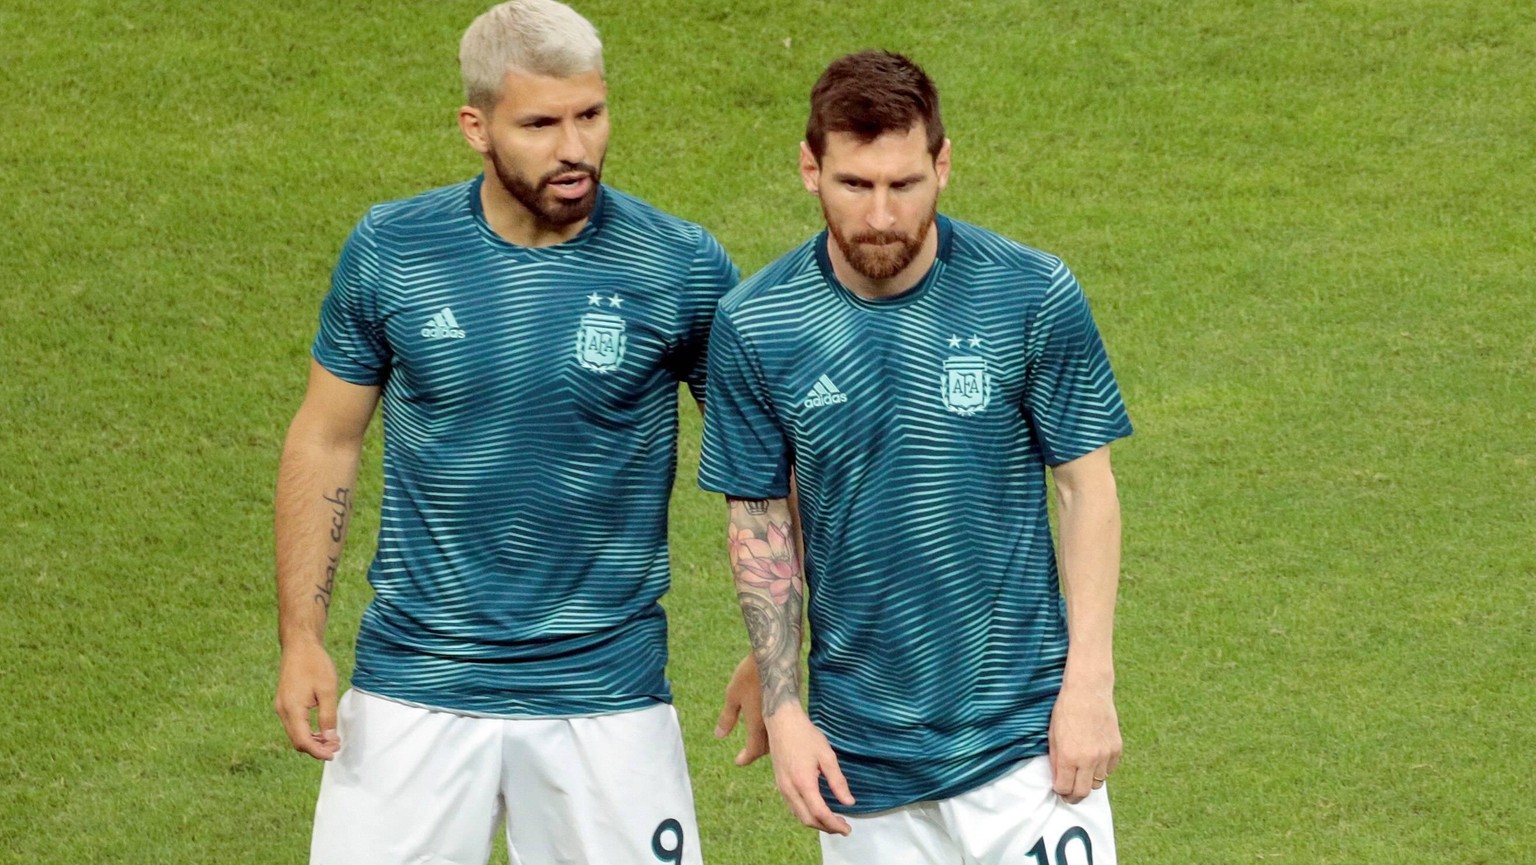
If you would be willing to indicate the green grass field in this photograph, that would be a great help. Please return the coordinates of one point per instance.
(1306, 227)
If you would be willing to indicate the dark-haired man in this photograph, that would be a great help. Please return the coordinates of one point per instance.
(917, 376)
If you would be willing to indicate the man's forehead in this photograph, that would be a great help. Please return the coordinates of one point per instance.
(524, 92)
(889, 150)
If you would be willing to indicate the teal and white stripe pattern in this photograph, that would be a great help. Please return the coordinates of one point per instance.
(919, 429)
(530, 416)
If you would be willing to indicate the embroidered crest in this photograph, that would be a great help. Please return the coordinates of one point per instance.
(600, 341)
(966, 385)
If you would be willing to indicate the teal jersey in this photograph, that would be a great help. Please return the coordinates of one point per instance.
(530, 440)
(918, 429)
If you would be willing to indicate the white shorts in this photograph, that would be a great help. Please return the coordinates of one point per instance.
(413, 785)
(1017, 819)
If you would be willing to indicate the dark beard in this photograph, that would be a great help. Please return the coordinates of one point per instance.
(878, 262)
(556, 213)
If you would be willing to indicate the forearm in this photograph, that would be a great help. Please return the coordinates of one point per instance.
(313, 509)
(771, 590)
(1089, 557)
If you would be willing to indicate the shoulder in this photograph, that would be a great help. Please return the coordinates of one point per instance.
(426, 209)
(626, 215)
(984, 253)
(767, 288)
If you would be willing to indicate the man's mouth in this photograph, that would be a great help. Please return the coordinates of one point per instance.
(571, 186)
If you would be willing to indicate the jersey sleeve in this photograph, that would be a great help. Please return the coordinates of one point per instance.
(1070, 394)
(350, 343)
(710, 275)
(745, 454)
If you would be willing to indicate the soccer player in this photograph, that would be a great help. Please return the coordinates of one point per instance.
(916, 377)
(526, 332)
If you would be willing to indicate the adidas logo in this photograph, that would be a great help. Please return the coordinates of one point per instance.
(443, 326)
(824, 392)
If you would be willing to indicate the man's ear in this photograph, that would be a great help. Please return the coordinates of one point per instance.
(476, 128)
(941, 165)
(810, 172)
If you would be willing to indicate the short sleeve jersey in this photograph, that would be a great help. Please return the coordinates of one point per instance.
(918, 429)
(530, 430)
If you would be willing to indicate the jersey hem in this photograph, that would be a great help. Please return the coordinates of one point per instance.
(942, 793)
(511, 716)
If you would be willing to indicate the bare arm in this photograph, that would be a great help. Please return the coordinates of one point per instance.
(312, 510)
(770, 585)
(1085, 730)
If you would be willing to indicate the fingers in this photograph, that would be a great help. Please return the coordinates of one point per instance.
(755, 747)
(803, 795)
(835, 780)
(322, 745)
(295, 723)
(294, 713)
(329, 740)
(728, 716)
(744, 705)
(805, 802)
(1071, 783)
(1074, 778)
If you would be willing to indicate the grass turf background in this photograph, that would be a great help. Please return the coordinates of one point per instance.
(1306, 228)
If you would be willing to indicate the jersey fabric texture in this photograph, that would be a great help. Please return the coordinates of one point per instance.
(530, 439)
(918, 429)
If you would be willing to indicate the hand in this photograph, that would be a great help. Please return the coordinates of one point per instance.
(744, 697)
(801, 756)
(1085, 740)
(306, 680)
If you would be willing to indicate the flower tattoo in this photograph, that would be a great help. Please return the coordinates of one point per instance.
(767, 563)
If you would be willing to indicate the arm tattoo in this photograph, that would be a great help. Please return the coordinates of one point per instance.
(771, 589)
(341, 512)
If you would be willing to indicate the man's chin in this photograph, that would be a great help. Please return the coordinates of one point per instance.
(562, 211)
(879, 266)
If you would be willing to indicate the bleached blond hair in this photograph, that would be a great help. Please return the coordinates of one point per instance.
(535, 37)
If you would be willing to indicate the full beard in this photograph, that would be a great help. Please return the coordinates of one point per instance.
(881, 255)
(551, 210)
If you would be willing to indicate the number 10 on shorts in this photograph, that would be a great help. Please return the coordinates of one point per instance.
(1037, 854)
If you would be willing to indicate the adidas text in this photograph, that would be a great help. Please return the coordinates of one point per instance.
(824, 392)
(816, 400)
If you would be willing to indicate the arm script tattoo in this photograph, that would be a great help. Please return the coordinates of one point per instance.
(341, 511)
(771, 589)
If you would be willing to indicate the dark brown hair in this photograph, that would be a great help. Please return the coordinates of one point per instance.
(869, 94)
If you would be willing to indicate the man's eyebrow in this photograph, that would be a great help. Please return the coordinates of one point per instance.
(535, 116)
(846, 177)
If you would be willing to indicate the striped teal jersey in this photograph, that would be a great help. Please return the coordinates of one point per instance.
(918, 429)
(530, 440)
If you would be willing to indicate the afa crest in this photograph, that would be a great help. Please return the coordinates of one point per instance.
(600, 342)
(966, 385)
